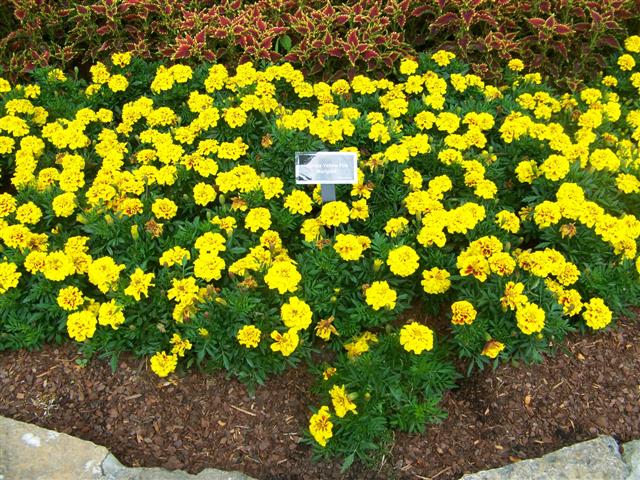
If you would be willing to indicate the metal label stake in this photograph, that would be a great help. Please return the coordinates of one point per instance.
(328, 192)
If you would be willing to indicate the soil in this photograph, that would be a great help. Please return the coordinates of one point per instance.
(590, 387)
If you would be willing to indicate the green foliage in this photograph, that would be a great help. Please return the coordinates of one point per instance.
(326, 39)
(163, 219)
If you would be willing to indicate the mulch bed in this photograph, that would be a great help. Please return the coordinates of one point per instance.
(590, 387)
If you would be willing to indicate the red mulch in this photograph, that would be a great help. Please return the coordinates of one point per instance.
(591, 387)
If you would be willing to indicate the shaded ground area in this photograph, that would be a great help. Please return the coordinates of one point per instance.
(591, 387)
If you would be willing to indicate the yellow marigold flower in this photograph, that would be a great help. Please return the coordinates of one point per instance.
(174, 256)
(604, 159)
(208, 267)
(181, 73)
(360, 344)
(283, 276)
(57, 75)
(447, 122)
(183, 290)
(596, 314)
(492, 348)
(626, 62)
(7, 204)
(502, 263)
(328, 373)
(235, 117)
(413, 178)
(271, 239)
(571, 301)
(5, 86)
(296, 314)
(70, 298)
(258, 218)
(298, 202)
(435, 280)
(350, 247)
(9, 276)
(567, 273)
(416, 338)
(359, 210)
(379, 133)
(508, 221)
(7, 145)
(530, 318)
(380, 295)
(516, 65)
(139, 284)
(104, 273)
(249, 336)
(395, 226)
(628, 183)
(334, 214)
(555, 167)
(471, 263)
(408, 66)
(99, 73)
(35, 262)
(32, 91)
(163, 208)
(513, 296)
(632, 44)
(546, 214)
(486, 189)
(342, 404)
(325, 328)
(443, 58)
(272, 187)
(363, 85)
(110, 313)
(403, 261)
(121, 59)
(320, 426)
(210, 242)
(180, 345)
(58, 266)
(463, 313)
(311, 229)
(28, 213)
(527, 171)
(117, 83)
(285, 343)
(228, 224)
(163, 364)
(81, 325)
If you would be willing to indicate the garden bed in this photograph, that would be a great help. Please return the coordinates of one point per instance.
(201, 420)
(153, 217)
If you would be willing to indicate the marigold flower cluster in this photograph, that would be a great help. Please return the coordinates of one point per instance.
(161, 214)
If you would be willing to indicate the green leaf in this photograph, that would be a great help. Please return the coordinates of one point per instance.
(285, 41)
(347, 462)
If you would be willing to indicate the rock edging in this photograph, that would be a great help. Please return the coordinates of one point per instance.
(31, 452)
(597, 459)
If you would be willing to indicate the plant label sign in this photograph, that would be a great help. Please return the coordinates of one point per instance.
(326, 169)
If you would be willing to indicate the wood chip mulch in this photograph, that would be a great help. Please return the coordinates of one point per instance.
(590, 387)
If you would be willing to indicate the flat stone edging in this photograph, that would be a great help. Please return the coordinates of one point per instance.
(597, 459)
(34, 453)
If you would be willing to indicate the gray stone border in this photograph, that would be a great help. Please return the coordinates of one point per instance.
(597, 459)
(28, 452)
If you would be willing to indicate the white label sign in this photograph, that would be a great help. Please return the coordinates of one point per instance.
(326, 168)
